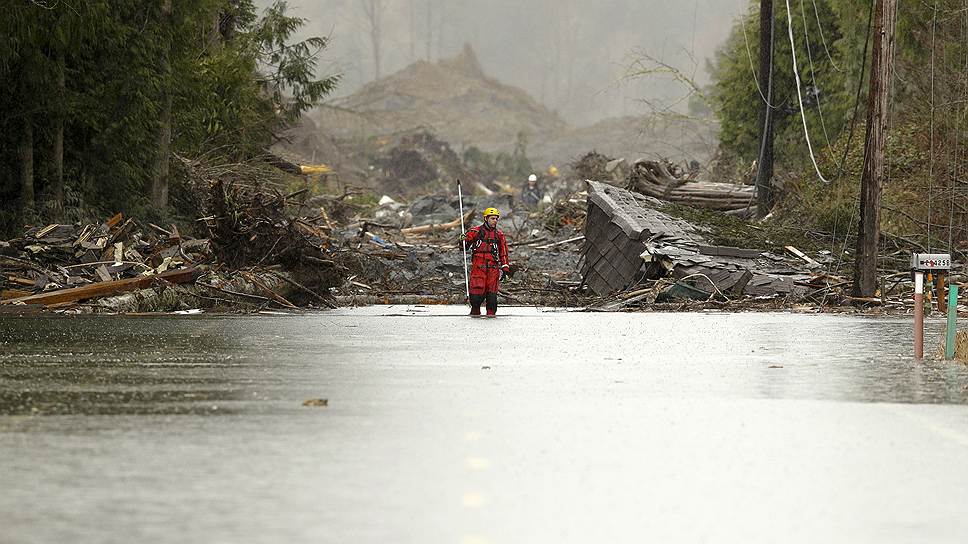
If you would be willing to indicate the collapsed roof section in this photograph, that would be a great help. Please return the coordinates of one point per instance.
(628, 240)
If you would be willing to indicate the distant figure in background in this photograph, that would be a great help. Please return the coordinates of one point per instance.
(531, 193)
(694, 168)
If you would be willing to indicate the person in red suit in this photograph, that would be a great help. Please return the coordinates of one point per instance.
(489, 262)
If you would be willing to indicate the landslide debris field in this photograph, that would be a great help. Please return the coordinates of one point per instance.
(604, 247)
(455, 102)
(366, 212)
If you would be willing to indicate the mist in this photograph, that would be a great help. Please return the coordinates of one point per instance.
(570, 55)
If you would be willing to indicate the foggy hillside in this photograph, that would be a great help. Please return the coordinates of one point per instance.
(569, 55)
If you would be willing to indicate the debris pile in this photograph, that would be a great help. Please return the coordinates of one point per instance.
(259, 252)
(592, 165)
(251, 227)
(629, 241)
(256, 254)
(62, 264)
(423, 264)
(567, 212)
(420, 161)
(604, 248)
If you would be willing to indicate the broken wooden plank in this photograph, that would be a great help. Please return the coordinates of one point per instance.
(106, 288)
(102, 272)
(810, 262)
(21, 281)
(45, 231)
(568, 241)
(114, 220)
(159, 229)
(85, 234)
(537, 240)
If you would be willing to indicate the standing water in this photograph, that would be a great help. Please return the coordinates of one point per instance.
(539, 426)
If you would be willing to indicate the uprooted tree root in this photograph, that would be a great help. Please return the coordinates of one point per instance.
(250, 227)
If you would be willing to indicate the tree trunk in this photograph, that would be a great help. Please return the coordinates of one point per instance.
(413, 32)
(159, 180)
(430, 27)
(27, 169)
(373, 9)
(764, 165)
(57, 183)
(868, 233)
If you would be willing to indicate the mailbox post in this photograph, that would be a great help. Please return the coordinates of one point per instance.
(930, 263)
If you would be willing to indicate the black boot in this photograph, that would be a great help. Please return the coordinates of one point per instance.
(491, 304)
(476, 301)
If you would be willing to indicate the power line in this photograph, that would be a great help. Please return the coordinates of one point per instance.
(824, 40)
(796, 74)
(860, 86)
(850, 136)
(749, 55)
(813, 74)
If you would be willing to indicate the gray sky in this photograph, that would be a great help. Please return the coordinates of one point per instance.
(569, 54)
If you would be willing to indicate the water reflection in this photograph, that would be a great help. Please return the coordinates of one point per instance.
(116, 365)
(224, 364)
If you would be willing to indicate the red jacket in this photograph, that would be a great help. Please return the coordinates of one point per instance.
(489, 247)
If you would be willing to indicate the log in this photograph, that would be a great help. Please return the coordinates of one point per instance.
(423, 229)
(676, 196)
(104, 289)
(707, 193)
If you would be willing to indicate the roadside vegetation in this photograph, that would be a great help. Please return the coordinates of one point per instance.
(109, 104)
(925, 152)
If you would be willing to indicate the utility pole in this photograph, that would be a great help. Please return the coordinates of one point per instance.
(764, 163)
(869, 231)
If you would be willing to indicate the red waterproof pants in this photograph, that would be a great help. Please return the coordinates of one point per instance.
(485, 274)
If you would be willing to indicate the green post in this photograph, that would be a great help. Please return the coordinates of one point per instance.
(949, 343)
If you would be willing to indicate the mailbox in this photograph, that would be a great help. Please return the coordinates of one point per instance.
(928, 262)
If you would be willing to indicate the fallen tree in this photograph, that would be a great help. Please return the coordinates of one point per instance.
(660, 180)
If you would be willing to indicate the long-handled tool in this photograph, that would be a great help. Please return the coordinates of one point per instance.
(463, 243)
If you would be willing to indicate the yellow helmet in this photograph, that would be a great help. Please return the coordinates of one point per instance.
(491, 211)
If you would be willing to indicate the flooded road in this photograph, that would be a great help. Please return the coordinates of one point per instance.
(535, 427)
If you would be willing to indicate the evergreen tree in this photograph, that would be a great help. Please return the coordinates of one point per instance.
(103, 92)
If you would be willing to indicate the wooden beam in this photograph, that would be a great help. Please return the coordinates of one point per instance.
(103, 289)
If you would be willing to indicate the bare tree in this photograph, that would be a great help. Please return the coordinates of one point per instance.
(373, 10)
(430, 26)
(159, 178)
(413, 30)
(57, 159)
(27, 168)
(442, 22)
